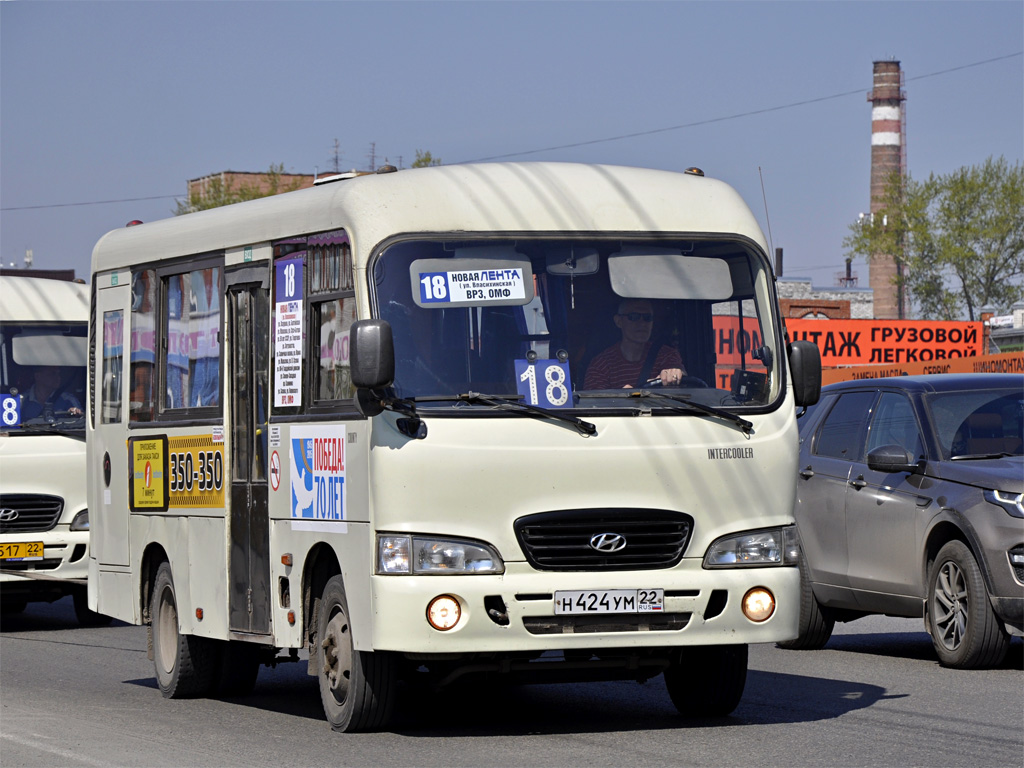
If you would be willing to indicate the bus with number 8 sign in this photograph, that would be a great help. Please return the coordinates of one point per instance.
(44, 519)
(450, 424)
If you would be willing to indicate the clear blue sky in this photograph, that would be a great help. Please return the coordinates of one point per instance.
(105, 101)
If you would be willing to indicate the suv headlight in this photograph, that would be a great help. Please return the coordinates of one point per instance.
(776, 546)
(427, 555)
(1013, 503)
(81, 521)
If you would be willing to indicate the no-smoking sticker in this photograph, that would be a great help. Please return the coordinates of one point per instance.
(275, 471)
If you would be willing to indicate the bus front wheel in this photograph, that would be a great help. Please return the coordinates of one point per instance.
(707, 681)
(185, 664)
(357, 688)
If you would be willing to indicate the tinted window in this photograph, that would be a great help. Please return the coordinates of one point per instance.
(978, 422)
(842, 433)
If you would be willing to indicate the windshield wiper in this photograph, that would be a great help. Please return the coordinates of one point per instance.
(691, 406)
(512, 403)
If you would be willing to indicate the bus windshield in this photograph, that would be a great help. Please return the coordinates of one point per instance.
(582, 323)
(42, 370)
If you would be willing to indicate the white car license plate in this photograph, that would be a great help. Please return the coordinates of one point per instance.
(610, 601)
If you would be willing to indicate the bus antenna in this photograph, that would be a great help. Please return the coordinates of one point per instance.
(764, 197)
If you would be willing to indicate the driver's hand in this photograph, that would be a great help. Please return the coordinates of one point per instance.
(670, 376)
(75, 411)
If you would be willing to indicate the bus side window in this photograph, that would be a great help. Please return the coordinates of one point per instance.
(143, 345)
(334, 377)
(112, 356)
(191, 360)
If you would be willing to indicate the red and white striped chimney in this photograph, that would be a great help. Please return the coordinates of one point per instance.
(887, 157)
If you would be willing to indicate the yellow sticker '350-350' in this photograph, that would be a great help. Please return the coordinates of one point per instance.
(195, 471)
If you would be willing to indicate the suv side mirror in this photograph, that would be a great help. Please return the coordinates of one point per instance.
(891, 458)
(371, 354)
(805, 367)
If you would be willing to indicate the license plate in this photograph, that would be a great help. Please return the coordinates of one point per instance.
(610, 601)
(22, 550)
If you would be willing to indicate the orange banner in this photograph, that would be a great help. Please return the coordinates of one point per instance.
(1009, 362)
(888, 342)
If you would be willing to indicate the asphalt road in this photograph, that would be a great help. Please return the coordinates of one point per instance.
(875, 696)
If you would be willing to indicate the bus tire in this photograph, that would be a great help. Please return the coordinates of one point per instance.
(184, 664)
(357, 688)
(707, 681)
(86, 617)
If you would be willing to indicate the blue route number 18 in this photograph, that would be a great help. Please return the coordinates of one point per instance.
(545, 383)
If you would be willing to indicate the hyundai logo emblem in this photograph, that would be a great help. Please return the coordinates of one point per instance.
(6, 515)
(607, 543)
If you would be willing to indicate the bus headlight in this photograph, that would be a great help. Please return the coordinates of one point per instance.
(81, 521)
(776, 546)
(423, 555)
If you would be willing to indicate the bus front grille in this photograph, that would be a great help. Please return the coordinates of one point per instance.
(29, 513)
(604, 539)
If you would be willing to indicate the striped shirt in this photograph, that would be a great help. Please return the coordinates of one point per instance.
(610, 370)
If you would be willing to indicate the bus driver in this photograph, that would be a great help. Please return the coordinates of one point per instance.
(629, 362)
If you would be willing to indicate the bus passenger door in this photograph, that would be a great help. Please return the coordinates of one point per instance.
(249, 591)
(106, 479)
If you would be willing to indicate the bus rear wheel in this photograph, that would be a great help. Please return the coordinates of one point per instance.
(185, 664)
(357, 688)
(707, 681)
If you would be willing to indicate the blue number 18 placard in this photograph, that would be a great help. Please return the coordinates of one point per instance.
(545, 383)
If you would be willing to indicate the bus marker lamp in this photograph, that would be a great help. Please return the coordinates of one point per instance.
(291, 617)
(199, 614)
(758, 604)
(444, 612)
(286, 559)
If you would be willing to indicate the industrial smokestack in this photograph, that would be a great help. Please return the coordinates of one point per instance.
(888, 153)
(778, 262)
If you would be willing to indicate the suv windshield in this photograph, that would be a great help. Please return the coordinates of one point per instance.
(580, 323)
(42, 374)
(978, 423)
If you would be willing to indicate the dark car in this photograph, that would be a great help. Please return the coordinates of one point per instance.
(910, 503)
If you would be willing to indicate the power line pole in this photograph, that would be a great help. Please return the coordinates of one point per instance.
(336, 157)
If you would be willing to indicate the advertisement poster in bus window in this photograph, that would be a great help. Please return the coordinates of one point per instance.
(148, 488)
(317, 476)
(288, 331)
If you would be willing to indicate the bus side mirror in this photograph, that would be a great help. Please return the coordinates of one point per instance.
(805, 367)
(371, 354)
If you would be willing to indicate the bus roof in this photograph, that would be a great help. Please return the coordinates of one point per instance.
(42, 300)
(492, 197)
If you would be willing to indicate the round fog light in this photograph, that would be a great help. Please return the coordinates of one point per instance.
(758, 604)
(444, 612)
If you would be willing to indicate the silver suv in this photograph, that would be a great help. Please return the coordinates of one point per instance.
(909, 503)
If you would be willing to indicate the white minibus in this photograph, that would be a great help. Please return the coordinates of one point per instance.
(44, 518)
(460, 424)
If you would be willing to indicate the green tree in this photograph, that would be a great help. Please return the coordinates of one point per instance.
(218, 192)
(424, 159)
(958, 238)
